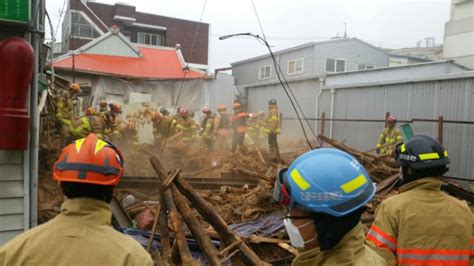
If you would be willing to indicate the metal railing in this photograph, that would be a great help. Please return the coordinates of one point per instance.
(440, 121)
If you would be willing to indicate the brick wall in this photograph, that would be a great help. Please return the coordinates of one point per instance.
(177, 30)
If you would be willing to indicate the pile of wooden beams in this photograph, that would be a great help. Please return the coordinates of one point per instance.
(179, 200)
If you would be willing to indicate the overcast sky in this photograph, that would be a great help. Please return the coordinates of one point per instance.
(286, 23)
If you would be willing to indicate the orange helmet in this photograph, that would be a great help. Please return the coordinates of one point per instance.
(221, 107)
(236, 106)
(115, 108)
(89, 160)
(206, 110)
(156, 116)
(90, 111)
(75, 88)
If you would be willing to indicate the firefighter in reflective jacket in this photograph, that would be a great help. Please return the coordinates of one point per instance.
(129, 132)
(207, 128)
(66, 111)
(272, 128)
(256, 129)
(96, 124)
(222, 124)
(325, 192)
(423, 225)
(81, 234)
(239, 126)
(389, 137)
(184, 126)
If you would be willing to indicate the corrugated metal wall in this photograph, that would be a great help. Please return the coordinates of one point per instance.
(305, 91)
(453, 99)
(13, 203)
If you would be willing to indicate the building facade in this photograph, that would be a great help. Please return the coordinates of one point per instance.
(303, 67)
(87, 20)
(419, 91)
(459, 33)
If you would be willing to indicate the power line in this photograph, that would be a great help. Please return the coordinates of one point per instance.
(186, 70)
(294, 102)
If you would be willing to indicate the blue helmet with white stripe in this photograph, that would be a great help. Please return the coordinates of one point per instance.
(324, 180)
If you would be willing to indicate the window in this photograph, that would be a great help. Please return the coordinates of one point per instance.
(150, 39)
(335, 65)
(295, 66)
(365, 66)
(125, 33)
(265, 72)
(80, 27)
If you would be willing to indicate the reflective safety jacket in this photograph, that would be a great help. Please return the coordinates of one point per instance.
(256, 129)
(388, 138)
(207, 127)
(350, 251)
(64, 108)
(188, 128)
(85, 125)
(423, 226)
(80, 235)
(273, 121)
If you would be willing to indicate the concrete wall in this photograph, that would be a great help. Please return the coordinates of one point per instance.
(459, 33)
(451, 98)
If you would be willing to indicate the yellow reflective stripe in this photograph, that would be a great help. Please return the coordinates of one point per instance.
(78, 144)
(99, 145)
(402, 148)
(299, 180)
(445, 154)
(354, 184)
(85, 120)
(429, 156)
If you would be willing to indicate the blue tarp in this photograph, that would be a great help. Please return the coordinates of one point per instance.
(266, 226)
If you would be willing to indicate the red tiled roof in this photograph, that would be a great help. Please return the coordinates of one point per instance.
(156, 63)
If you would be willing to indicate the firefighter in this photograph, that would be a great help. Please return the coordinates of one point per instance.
(185, 127)
(161, 126)
(87, 171)
(423, 225)
(156, 120)
(165, 124)
(272, 128)
(103, 106)
(325, 192)
(129, 131)
(96, 124)
(222, 125)
(256, 128)
(389, 137)
(239, 127)
(90, 111)
(207, 128)
(112, 129)
(164, 111)
(66, 111)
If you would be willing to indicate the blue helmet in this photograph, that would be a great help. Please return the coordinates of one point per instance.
(324, 180)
